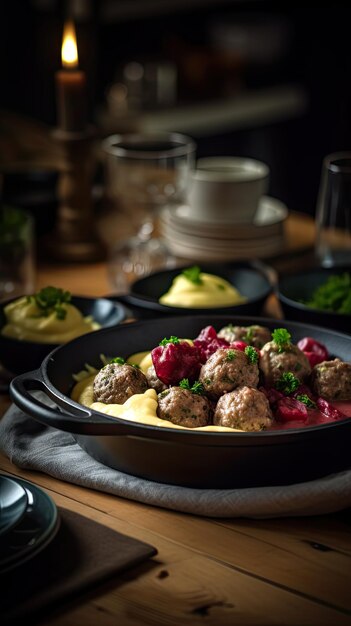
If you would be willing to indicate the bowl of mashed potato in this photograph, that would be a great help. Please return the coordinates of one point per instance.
(238, 288)
(32, 326)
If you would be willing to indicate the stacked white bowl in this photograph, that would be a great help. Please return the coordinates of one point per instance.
(227, 215)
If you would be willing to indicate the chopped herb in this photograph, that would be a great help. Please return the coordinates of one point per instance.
(249, 334)
(230, 356)
(281, 338)
(251, 354)
(196, 388)
(333, 295)
(287, 383)
(172, 339)
(306, 400)
(220, 287)
(119, 360)
(207, 381)
(51, 300)
(193, 274)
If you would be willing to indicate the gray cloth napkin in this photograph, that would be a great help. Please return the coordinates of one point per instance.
(32, 446)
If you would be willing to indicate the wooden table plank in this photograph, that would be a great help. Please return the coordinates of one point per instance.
(186, 584)
(276, 556)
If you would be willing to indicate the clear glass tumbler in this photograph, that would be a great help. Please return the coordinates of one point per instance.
(17, 264)
(144, 173)
(333, 214)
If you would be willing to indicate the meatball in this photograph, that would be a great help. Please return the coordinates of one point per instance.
(274, 362)
(254, 335)
(154, 381)
(184, 408)
(332, 380)
(245, 408)
(227, 369)
(115, 383)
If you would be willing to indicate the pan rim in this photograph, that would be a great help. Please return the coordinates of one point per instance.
(253, 438)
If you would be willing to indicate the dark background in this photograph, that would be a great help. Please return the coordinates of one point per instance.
(315, 58)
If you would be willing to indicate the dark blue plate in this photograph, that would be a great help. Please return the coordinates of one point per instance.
(33, 533)
(13, 503)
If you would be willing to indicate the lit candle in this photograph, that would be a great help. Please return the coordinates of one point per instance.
(71, 85)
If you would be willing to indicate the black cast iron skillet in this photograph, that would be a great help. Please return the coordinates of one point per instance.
(252, 279)
(183, 457)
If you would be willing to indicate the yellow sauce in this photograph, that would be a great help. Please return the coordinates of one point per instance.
(24, 323)
(143, 359)
(141, 408)
(213, 291)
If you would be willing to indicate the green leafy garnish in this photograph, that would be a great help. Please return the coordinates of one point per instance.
(287, 383)
(51, 300)
(230, 356)
(193, 274)
(251, 354)
(249, 334)
(172, 339)
(306, 400)
(333, 295)
(119, 360)
(281, 338)
(197, 387)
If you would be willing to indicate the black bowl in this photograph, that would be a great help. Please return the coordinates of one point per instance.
(251, 279)
(292, 290)
(19, 356)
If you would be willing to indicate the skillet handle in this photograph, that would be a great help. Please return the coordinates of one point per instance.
(74, 419)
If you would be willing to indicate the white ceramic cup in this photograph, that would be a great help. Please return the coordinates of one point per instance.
(227, 189)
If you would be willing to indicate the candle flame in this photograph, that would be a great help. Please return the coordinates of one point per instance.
(69, 51)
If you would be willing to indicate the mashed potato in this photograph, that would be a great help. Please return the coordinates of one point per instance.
(208, 291)
(25, 322)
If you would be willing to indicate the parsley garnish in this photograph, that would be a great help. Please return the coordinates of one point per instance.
(281, 338)
(249, 334)
(196, 388)
(119, 360)
(172, 339)
(306, 400)
(287, 383)
(51, 300)
(251, 354)
(193, 274)
(230, 356)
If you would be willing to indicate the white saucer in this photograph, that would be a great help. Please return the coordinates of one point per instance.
(268, 221)
(202, 253)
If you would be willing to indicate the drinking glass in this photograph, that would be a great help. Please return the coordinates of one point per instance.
(144, 173)
(17, 268)
(333, 214)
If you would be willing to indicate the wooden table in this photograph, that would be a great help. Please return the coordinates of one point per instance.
(207, 571)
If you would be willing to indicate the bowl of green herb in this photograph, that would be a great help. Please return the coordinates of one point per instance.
(320, 296)
(32, 326)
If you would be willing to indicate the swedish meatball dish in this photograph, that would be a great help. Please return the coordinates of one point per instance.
(238, 378)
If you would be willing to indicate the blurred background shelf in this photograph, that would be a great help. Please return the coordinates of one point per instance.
(249, 109)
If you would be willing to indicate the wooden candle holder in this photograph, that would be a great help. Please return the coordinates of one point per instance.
(74, 237)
